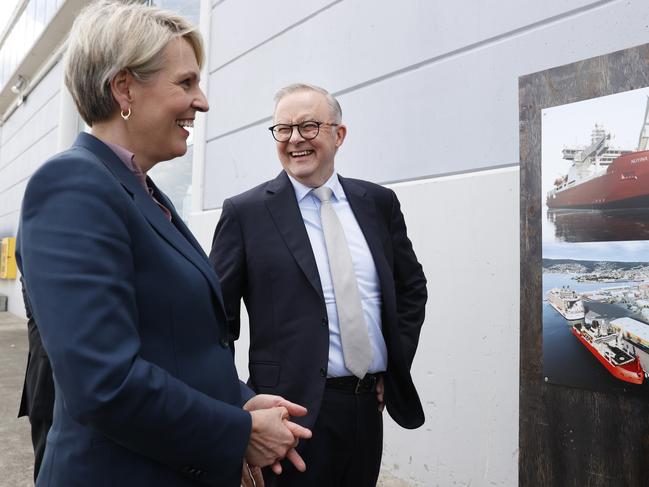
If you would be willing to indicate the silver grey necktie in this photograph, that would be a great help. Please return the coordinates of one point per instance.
(357, 351)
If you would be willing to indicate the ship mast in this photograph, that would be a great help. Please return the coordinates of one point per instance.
(644, 132)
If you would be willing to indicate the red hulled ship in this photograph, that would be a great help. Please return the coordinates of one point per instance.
(610, 349)
(603, 177)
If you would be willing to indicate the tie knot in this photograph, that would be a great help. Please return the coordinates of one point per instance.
(323, 193)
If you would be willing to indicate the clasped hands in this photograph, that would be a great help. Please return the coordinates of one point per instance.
(274, 436)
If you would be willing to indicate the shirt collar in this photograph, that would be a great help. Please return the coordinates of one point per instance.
(128, 158)
(301, 191)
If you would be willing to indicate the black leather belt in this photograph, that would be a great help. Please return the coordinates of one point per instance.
(353, 384)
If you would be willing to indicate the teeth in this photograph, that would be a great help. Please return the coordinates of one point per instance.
(185, 123)
(301, 153)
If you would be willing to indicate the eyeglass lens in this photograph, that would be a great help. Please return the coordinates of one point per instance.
(308, 130)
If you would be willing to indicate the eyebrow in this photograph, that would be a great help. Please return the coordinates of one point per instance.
(189, 74)
(301, 120)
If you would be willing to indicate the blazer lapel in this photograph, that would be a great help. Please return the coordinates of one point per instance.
(283, 207)
(177, 236)
(366, 215)
(197, 257)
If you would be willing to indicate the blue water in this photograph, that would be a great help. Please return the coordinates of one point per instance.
(565, 360)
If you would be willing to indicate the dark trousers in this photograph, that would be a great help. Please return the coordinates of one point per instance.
(40, 427)
(346, 447)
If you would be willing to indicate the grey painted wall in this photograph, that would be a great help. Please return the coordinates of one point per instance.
(427, 88)
(27, 139)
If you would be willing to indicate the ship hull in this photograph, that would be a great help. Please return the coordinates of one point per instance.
(624, 185)
(570, 316)
(631, 372)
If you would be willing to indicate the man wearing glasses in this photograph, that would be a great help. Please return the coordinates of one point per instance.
(334, 293)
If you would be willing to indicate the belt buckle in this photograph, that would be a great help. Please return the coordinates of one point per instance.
(359, 382)
(358, 385)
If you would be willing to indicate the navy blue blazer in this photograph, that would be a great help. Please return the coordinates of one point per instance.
(131, 315)
(262, 253)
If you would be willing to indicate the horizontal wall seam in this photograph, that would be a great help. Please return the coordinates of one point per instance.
(440, 58)
(465, 172)
(481, 171)
(275, 36)
(476, 46)
(33, 143)
(36, 112)
(13, 160)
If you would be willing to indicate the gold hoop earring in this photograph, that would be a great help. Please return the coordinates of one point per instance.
(125, 116)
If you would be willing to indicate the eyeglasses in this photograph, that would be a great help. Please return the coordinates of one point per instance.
(308, 130)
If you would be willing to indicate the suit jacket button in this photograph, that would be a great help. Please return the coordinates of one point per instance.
(325, 322)
(225, 343)
(323, 372)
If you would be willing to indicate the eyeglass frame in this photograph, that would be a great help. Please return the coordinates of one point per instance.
(297, 125)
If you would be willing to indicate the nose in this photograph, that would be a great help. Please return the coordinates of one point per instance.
(200, 103)
(296, 136)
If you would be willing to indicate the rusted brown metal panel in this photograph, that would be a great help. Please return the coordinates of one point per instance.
(569, 436)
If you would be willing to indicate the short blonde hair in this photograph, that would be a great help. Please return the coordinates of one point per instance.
(334, 106)
(109, 36)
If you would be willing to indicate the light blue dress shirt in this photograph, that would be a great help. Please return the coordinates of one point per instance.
(366, 275)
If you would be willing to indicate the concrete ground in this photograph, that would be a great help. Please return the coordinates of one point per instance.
(16, 456)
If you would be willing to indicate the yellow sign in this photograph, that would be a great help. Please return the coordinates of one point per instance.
(8, 258)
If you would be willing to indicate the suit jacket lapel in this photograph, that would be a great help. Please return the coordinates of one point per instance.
(175, 236)
(283, 207)
(364, 210)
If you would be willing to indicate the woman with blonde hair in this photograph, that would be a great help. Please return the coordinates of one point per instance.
(128, 306)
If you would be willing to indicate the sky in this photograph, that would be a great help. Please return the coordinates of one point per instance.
(188, 8)
(635, 251)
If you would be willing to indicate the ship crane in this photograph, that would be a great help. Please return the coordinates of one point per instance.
(594, 150)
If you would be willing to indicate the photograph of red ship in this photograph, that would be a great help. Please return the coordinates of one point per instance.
(611, 350)
(595, 243)
(596, 318)
(603, 177)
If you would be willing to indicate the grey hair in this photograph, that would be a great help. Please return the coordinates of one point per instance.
(336, 111)
(109, 36)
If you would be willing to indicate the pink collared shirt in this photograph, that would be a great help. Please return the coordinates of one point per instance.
(128, 158)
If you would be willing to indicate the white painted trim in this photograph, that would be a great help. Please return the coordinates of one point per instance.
(34, 81)
(18, 10)
(39, 60)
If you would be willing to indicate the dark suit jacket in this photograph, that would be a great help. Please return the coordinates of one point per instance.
(131, 316)
(37, 400)
(262, 253)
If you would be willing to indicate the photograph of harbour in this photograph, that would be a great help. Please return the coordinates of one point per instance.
(595, 169)
(595, 243)
(596, 324)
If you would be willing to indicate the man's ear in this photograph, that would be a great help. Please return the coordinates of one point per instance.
(341, 133)
(120, 86)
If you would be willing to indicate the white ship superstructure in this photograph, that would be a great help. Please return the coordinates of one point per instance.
(567, 302)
